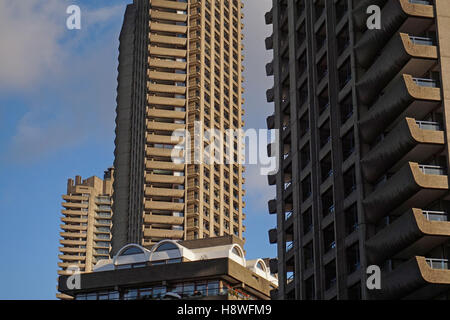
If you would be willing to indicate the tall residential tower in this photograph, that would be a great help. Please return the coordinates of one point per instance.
(364, 120)
(86, 224)
(180, 62)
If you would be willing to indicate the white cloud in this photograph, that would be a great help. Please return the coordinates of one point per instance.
(30, 49)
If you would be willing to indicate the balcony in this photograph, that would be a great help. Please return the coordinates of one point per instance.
(413, 186)
(272, 204)
(417, 279)
(164, 192)
(416, 232)
(406, 97)
(397, 16)
(164, 234)
(403, 54)
(161, 205)
(273, 236)
(159, 178)
(157, 219)
(410, 140)
(270, 122)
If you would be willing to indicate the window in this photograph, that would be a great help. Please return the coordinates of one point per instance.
(166, 246)
(306, 188)
(345, 74)
(327, 202)
(308, 255)
(307, 221)
(329, 241)
(310, 291)
(330, 275)
(348, 145)
(349, 181)
(351, 219)
(353, 260)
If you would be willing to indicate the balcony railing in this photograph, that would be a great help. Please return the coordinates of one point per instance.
(429, 125)
(437, 170)
(442, 264)
(425, 2)
(422, 82)
(436, 215)
(422, 40)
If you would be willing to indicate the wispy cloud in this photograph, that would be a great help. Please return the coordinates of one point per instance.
(68, 78)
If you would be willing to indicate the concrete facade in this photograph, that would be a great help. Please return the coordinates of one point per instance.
(364, 148)
(180, 62)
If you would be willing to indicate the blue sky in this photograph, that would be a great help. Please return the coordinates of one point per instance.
(57, 111)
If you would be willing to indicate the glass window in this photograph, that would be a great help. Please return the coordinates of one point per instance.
(213, 288)
(166, 246)
(159, 292)
(131, 294)
(131, 251)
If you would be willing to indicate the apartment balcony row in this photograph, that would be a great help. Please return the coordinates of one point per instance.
(75, 205)
(167, 40)
(163, 101)
(68, 258)
(164, 234)
(164, 165)
(71, 198)
(74, 220)
(72, 250)
(72, 235)
(164, 126)
(71, 213)
(175, 5)
(166, 52)
(408, 16)
(162, 63)
(164, 153)
(166, 76)
(404, 54)
(164, 192)
(167, 16)
(410, 140)
(69, 227)
(419, 278)
(161, 139)
(165, 220)
(405, 97)
(156, 88)
(165, 206)
(416, 232)
(66, 265)
(164, 179)
(413, 186)
(156, 26)
(72, 242)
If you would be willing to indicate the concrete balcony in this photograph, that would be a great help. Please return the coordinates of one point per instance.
(175, 41)
(269, 42)
(155, 219)
(163, 101)
(167, 64)
(68, 227)
(154, 138)
(166, 114)
(161, 88)
(159, 178)
(74, 220)
(417, 279)
(72, 242)
(166, 76)
(177, 5)
(72, 250)
(406, 97)
(163, 126)
(74, 198)
(272, 204)
(66, 257)
(397, 16)
(164, 234)
(166, 52)
(66, 265)
(413, 186)
(403, 54)
(416, 232)
(408, 141)
(162, 165)
(269, 17)
(169, 16)
(74, 205)
(161, 205)
(72, 235)
(270, 122)
(74, 212)
(164, 192)
(164, 153)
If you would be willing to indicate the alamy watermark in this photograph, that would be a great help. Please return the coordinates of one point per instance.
(73, 22)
